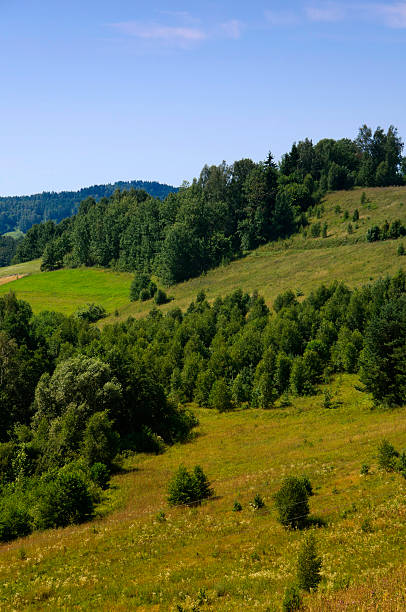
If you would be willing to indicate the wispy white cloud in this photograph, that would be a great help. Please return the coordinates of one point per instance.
(231, 29)
(328, 12)
(159, 32)
(394, 15)
(186, 32)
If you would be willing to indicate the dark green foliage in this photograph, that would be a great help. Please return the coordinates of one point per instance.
(91, 313)
(308, 565)
(24, 211)
(292, 502)
(355, 215)
(100, 441)
(257, 503)
(188, 488)
(220, 396)
(401, 250)
(237, 507)
(15, 521)
(161, 297)
(387, 456)
(384, 354)
(8, 247)
(292, 599)
(387, 232)
(100, 475)
(364, 469)
(139, 283)
(64, 500)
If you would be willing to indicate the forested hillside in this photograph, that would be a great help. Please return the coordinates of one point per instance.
(24, 211)
(228, 210)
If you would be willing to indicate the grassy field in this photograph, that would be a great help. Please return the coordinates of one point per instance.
(212, 558)
(297, 263)
(65, 290)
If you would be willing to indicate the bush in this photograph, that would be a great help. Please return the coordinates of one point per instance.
(387, 456)
(292, 503)
(401, 250)
(187, 488)
(364, 469)
(100, 475)
(15, 522)
(161, 297)
(220, 396)
(292, 600)
(90, 312)
(144, 295)
(139, 283)
(237, 507)
(308, 565)
(63, 501)
(257, 502)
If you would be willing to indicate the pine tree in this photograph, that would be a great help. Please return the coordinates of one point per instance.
(308, 565)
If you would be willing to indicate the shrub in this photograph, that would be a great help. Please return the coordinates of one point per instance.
(315, 230)
(349, 228)
(324, 230)
(355, 216)
(364, 469)
(161, 297)
(139, 283)
(63, 501)
(308, 565)
(292, 599)
(15, 522)
(220, 396)
(187, 488)
(257, 502)
(387, 456)
(99, 474)
(144, 295)
(401, 250)
(90, 312)
(292, 503)
(237, 507)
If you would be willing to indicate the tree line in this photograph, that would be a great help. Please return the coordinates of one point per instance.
(24, 211)
(72, 396)
(229, 209)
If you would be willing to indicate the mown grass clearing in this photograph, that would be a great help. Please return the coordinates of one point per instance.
(65, 290)
(217, 559)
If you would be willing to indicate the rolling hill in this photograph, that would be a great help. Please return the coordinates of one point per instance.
(141, 554)
(21, 212)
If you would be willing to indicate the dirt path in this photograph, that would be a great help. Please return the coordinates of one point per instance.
(9, 279)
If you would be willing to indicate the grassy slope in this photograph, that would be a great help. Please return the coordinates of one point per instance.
(130, 560)
(291, 264)
(243, 560)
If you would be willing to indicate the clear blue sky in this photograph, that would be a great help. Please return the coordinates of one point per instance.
(99, 91)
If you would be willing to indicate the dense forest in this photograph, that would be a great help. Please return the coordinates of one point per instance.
(229, 209)
(73, 396)
(23, 211)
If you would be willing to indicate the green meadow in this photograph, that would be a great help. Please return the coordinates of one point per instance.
(142, 554)
(65, 290)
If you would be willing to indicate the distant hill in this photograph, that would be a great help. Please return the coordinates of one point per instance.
(23, 211)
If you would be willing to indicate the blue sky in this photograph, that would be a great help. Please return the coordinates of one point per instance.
(99, 91)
